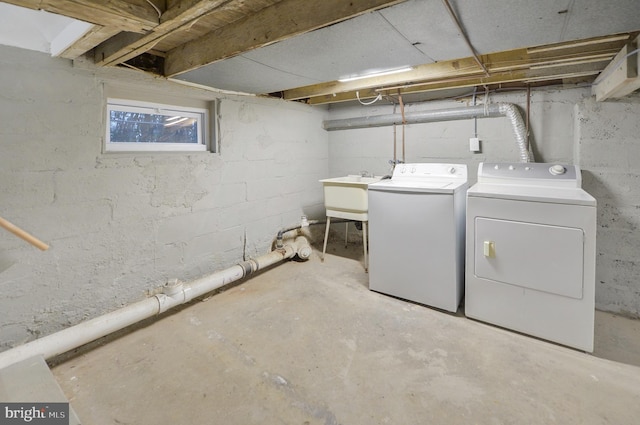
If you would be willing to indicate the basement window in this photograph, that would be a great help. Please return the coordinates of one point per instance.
(135, 126)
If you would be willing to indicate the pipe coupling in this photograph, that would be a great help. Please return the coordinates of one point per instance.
(248, 267)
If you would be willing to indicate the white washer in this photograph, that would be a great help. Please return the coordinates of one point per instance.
(416, 234)
(531, 243)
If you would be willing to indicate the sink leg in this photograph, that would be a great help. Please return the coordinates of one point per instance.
(326, 235)
(364, 242)
(346, 233)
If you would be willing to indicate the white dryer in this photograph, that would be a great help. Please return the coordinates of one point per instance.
(531, 244)
(416, 234)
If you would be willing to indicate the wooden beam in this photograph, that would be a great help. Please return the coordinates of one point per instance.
(579, 43)
(282, 20)
(122, 48)
(129, 15)
(523, 75)
(499, 63)
(95, 36)
(621, 77)
(432, 71)
(107, 52)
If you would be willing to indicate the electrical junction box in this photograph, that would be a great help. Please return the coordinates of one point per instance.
(474, 144)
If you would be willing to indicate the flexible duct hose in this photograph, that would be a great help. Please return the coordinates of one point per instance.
(510, 111)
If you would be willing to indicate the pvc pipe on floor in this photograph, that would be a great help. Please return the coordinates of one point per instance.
(175, 293)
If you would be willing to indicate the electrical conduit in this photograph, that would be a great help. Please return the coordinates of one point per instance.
(508, 110)
(174, 293)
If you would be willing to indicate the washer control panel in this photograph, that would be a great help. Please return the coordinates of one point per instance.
(430, 170)
(533, 173)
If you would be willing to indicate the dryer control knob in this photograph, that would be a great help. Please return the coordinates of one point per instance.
(452, 170)
(557, 170)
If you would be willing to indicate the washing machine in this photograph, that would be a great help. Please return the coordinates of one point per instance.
(416, 234)
(531, 247)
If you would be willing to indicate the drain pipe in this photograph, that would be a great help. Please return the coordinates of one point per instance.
(508, 110)
(174, 293)
(304, 249)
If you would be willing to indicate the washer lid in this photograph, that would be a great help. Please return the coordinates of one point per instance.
(419, 185)
(555, 195)
(425, 177)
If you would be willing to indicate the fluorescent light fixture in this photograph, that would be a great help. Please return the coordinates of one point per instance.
(376, 74)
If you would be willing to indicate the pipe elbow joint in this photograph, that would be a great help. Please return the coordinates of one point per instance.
(303, 249)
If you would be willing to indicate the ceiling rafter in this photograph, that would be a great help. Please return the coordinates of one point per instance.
(557, 62)
(177, 36)
(123, 47)
(282, 20)
(126, 15)
(93, 37)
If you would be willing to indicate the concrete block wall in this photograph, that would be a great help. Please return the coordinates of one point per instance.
(120, 225)
(567, 126)
(608, 149)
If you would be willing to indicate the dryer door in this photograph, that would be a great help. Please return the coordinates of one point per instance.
(534, 256)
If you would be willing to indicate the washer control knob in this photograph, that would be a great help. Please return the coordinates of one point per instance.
(527, 168)
(497, 167)
(452, 170)
(511, 167)
(557, 170)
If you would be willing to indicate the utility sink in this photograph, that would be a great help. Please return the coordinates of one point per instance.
(346, 197)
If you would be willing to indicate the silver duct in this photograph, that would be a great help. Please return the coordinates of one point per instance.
(508, 110)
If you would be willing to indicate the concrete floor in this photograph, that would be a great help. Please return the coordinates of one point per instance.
(307, 343)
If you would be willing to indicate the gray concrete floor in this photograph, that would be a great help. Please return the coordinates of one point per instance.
(308, 343)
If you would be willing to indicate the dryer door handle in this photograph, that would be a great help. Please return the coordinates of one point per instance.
(489, 249)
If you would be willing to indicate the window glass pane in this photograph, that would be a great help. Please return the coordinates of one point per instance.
(141, 127)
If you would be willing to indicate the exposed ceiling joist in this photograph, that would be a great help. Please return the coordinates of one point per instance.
(622, 75)
(241, 45)
(278, 22)
(95, 36)
(522, 76)
(560, 61)
(128, 15)
(124, 47)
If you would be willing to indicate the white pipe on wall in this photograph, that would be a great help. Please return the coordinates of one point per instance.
(508, 110)
(174, 294)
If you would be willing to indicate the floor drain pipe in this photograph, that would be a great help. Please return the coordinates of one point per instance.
(174, 293)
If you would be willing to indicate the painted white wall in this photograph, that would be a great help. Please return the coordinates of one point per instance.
(120, 225)
(567, 126)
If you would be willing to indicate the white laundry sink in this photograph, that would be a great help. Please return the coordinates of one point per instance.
(346, 197)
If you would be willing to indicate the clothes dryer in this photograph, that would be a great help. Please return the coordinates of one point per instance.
(531, 244)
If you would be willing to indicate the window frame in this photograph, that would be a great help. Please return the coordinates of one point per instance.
(127, 105)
